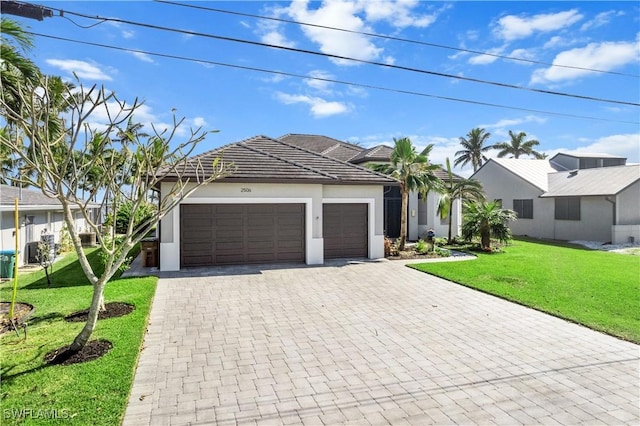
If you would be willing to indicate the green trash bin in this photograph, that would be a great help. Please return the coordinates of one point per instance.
(7, 262)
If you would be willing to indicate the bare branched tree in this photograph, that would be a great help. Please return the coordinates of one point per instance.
(70, 138)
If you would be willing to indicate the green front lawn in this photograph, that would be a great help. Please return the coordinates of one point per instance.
(94, 392)
(597, 289)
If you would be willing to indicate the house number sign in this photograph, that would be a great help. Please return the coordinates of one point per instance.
(245, 189)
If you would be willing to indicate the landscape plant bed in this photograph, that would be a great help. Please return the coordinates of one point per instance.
(112, 310)
(91, 351)
(21, 313)
(94, 392)
(593, 288)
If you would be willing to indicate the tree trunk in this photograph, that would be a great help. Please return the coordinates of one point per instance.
(81, 339)
(449, 240)
(485, 236)
(403, 217)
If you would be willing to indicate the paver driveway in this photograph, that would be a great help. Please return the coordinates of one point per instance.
(369, 343)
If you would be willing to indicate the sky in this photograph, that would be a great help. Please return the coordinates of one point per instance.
(432, 72)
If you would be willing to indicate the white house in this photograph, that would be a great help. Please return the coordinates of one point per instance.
(283, 203)
(593, 197)
(37, 215)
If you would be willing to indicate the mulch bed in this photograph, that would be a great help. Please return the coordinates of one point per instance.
(413, 255)
(21, 312)
(112, 310)
(92, 350)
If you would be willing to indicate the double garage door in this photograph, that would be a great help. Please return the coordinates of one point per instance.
(235, 234)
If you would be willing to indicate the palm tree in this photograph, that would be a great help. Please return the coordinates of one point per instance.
(517, 146)
(473, 149)
(453, 188)
(16, 69)
(413, 171)
(487, 220)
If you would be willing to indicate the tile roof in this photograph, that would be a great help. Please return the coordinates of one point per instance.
(29, 197)
(533, 171)
(323, 145)
(344, 150)
(263, 159)
(590, 182)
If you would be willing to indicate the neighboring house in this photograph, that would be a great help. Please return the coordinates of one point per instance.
(282, 203)
(38, 215)
(594, 197)
(422, 214)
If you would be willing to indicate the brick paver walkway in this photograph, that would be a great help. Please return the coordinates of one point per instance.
(371, 343)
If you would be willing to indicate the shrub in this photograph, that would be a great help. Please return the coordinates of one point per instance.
(65, 239)
(421, 247)
(390, 248)
(123, 216)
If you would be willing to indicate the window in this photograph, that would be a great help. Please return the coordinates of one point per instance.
(609, 162)
(567, 208)
(588, 163)
(524, 208)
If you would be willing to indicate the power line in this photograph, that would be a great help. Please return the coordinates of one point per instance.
(328, 55)
(388, 37)
(328, 80)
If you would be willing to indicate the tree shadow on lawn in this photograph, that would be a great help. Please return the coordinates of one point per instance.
(70, 275)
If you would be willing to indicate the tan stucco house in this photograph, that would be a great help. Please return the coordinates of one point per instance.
(283, 203)
(594, 197)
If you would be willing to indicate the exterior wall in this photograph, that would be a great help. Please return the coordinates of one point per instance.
(623, 234)
(43, 221)
(628, 206)
(429, 210)
(596, 218)
(312, 195)
(500, 183)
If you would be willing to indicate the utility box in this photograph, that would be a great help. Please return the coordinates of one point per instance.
(149, 253)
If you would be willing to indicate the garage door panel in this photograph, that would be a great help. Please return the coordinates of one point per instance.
(238, 234)
(345, 230)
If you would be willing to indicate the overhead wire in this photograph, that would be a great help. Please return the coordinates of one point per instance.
(363, 61)
(325, 79)
(388, 37)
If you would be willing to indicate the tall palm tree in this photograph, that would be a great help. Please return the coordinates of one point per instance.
(487, 219)
(16, 69)
(474, 148)
(454, 188)
(517, 146)
(413, 171)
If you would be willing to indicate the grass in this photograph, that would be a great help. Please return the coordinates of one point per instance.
(94, 392)
(597, 289)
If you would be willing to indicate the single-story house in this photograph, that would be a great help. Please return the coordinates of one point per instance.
(594, 197)
(38, 215)
(283, 203)
(422, 214)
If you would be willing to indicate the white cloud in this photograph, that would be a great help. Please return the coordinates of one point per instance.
(143, 57)
(84, 70)
(276, 38)
(603, 56)
(601, 19)
(127, 34)
(513, 27)
(320, 85)
(511, 122)
(527, 54)
(400, 14)
(319, 107)
(199, 122)
(486, 59)
(340, 15)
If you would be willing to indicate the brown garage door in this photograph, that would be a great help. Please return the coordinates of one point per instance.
(235, 234)
(345, 230)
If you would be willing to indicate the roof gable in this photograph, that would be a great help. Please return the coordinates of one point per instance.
(263, 159)
(534, 172)
(592, 182)
(323, 145)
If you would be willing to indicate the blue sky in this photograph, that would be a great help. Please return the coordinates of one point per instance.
(604, 36)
